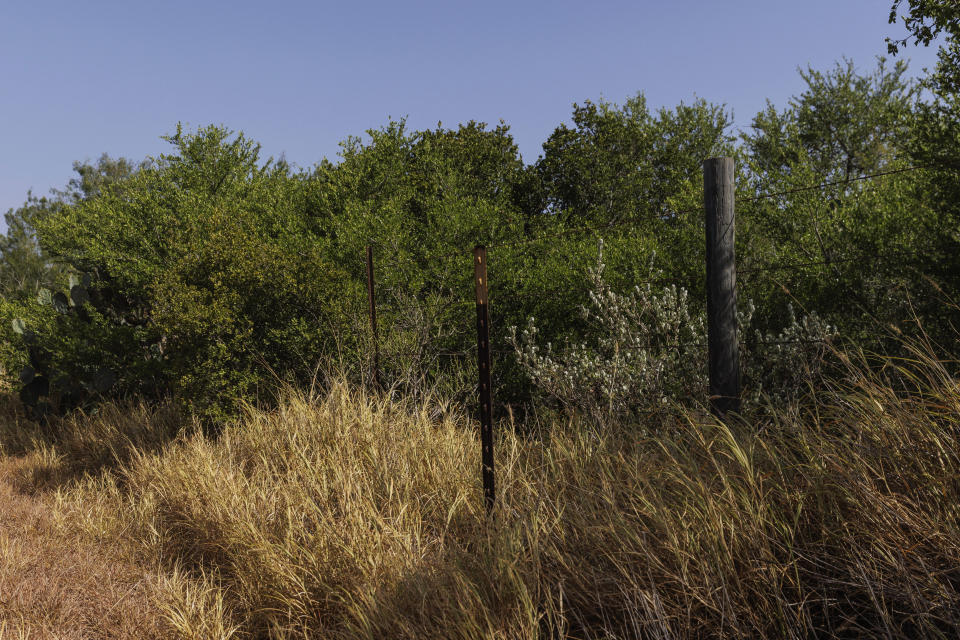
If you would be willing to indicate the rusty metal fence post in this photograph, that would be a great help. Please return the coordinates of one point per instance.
(483, 363)
(373, 318)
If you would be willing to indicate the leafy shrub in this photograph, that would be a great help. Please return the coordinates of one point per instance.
(648, 347)
(781, 366)
(66, 347)
(205, 283)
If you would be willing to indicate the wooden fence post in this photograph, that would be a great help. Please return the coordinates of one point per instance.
(483, 365)
(718, 191)
(373, 318)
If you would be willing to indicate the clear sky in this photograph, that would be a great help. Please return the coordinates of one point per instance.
(81, 78)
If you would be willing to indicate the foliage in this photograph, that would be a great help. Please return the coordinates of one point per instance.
(632, 176)
(48, 305)
(25, 267)
(844, 125)
(935, 145)
(853, 250)
(423, 200)
(214, 276)
(925, 21)
(205, 282)
(624, 162)
(647, 348)
(780, 368)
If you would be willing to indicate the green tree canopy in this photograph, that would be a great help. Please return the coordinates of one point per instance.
(843, 125)
(625, 162)
(863, 242)
(926, 20)
(24, 265)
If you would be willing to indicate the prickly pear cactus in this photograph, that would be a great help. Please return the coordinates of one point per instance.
(52, 379)
(79, 295)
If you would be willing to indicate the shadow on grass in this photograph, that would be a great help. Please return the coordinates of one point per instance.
(57, 452)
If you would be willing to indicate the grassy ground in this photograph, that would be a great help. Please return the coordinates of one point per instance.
(54, 584)
(347, 516)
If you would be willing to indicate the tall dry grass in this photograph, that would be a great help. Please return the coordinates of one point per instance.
(53, 583)
(350, 516)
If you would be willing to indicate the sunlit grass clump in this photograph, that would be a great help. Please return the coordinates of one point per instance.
(351, 516)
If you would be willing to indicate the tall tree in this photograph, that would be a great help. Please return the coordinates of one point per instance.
(925, 21)
(25, 267)
(843, 126)
(937, 140)
(624, 161)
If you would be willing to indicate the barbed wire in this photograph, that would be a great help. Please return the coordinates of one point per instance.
(836, 183)
(885, 256)
(575, 231)
(795, 266)
(424, 306)
(684, 212)
(765, 343)
(567, 289)
(433, 354)
(471, 351)
(572, 287)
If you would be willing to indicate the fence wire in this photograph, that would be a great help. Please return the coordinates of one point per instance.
(835, 183)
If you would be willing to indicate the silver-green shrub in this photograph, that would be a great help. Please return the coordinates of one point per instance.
(648, 348)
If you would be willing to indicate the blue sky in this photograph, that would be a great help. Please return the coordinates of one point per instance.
(81, 78)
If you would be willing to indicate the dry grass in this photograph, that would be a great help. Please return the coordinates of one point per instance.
(53, 582)
(55, 585)
(357, 517)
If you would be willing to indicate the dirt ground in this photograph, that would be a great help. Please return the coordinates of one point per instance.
(57, 585)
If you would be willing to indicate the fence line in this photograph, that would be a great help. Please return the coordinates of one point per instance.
(431, 306)
(722, 343)
(836, 183)
(664, 280)
(886, 258)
